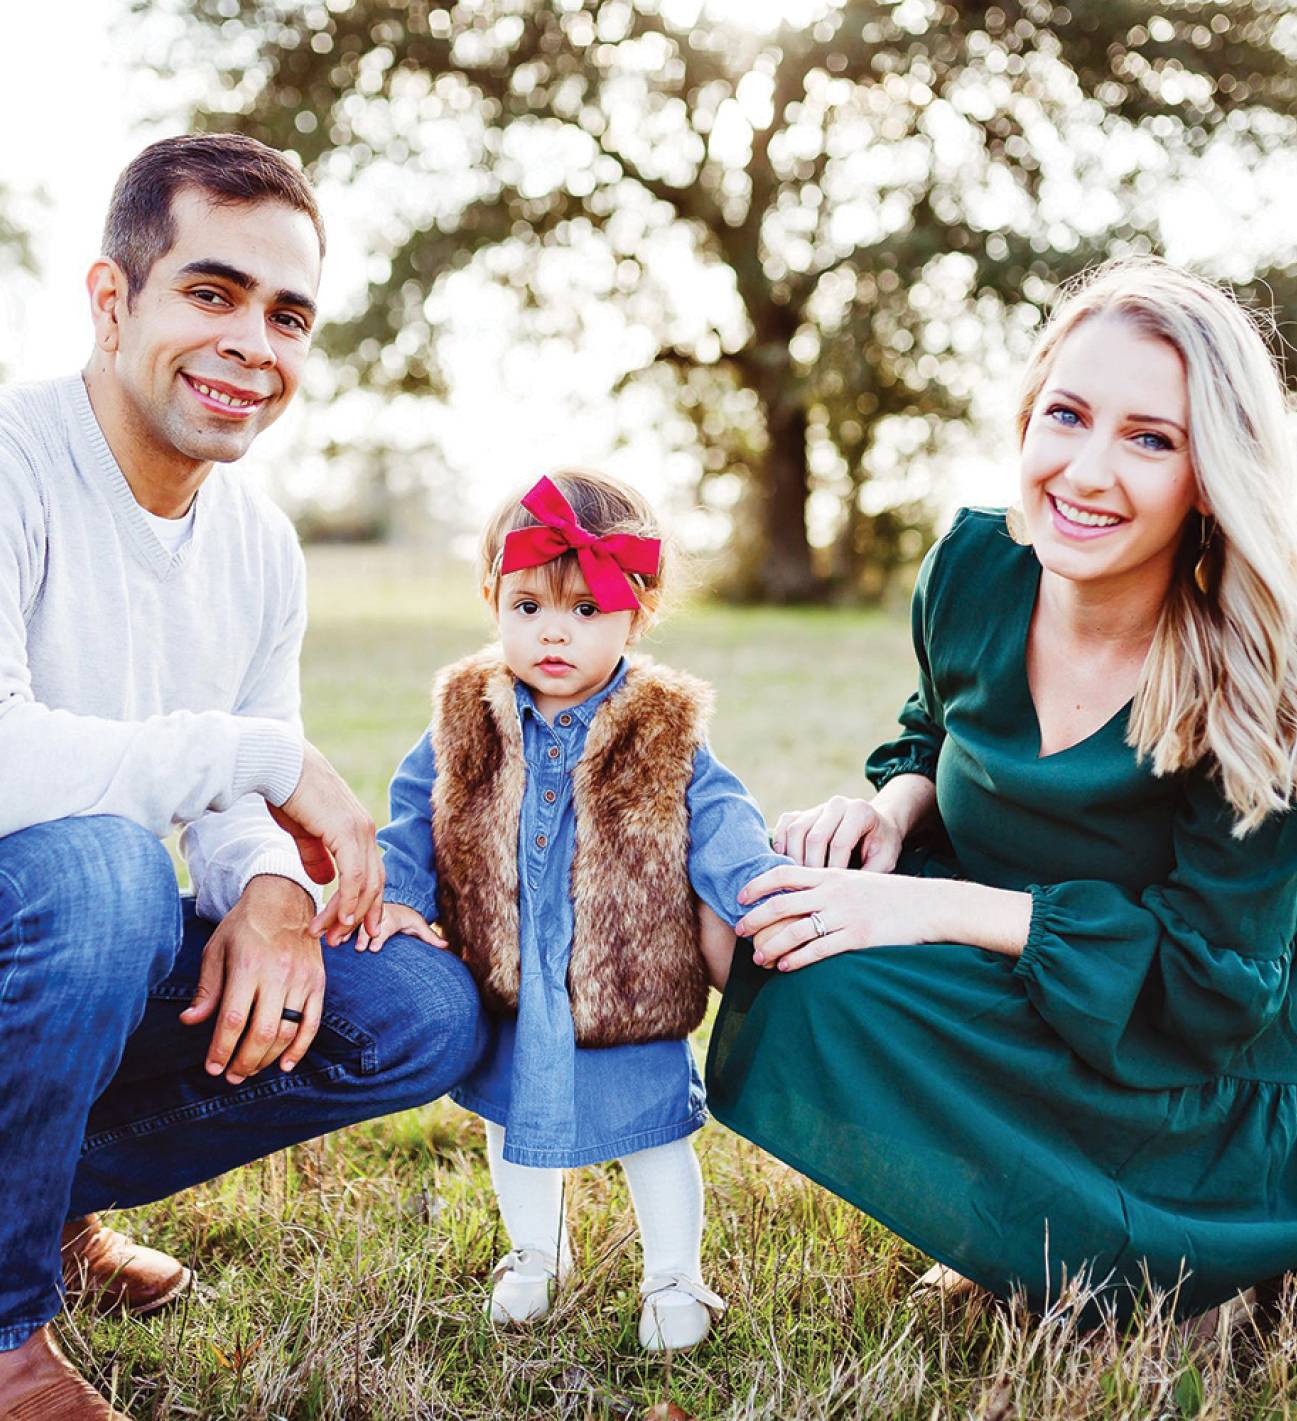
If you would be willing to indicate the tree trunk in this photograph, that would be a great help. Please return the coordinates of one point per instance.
(787, 575)
(782, 570)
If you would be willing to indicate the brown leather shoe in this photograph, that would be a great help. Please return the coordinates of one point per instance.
(118, 1274)
(38, 1383)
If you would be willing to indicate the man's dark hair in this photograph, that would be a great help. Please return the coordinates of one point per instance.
(225, 167)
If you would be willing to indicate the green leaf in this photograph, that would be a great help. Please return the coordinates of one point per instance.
(1188, 1393)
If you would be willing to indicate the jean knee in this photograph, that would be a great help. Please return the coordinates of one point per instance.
(465, 1025)
(97, 890)
(445, 1029)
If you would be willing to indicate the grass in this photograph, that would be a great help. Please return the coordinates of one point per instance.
(344, 1280)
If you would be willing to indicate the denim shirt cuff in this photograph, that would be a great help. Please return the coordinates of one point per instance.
(412, 896)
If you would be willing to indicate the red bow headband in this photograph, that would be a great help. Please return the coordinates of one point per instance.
(605, 562)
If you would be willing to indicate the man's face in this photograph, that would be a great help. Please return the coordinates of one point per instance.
(211, 348)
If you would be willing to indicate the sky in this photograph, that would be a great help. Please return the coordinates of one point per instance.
(70, 127)
(68, 131)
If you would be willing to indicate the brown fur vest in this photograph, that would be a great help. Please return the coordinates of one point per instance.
(636, 972)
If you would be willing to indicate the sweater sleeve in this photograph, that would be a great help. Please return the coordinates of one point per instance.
(158, 771)
(408, 857)
(729, 844)
(226, 849)
(915, 750)
(1171, 986)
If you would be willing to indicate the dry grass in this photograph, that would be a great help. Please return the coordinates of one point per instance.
(345, 1279)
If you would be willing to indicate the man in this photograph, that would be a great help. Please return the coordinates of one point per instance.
(151, 616)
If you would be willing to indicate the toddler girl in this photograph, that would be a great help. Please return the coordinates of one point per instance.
(556, 823)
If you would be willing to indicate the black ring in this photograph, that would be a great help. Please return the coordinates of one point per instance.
(288, 1014)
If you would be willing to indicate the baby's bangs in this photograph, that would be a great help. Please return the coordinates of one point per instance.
(556, 579)
(561, 576)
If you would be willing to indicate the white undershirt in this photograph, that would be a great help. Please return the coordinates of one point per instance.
(172, 533)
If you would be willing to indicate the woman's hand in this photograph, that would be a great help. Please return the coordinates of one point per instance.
(398, 918)
(818, 912)
(824, 837)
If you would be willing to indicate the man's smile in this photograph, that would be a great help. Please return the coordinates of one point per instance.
(224, 398)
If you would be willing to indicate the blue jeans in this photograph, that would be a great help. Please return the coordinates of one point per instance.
(103, 1096)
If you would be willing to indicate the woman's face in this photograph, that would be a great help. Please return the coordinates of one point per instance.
(1107, 481)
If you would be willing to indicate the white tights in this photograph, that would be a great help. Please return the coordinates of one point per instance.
(665, 1184)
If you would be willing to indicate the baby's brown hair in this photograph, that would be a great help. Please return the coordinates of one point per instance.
(602, 505)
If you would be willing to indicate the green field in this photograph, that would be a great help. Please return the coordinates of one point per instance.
(345, 1279)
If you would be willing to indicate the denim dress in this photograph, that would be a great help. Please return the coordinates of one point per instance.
(562, 1104)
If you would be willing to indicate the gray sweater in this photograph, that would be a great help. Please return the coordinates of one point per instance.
(133, 682)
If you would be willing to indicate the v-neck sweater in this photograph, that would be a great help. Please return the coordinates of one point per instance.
(133, 681)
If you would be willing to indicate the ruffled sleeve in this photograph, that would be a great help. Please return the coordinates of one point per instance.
(915, 750)
(1171, 986)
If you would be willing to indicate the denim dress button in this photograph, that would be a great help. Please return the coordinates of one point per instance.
(565, 719)
(541, 841)
(550, 796)
(553, 752)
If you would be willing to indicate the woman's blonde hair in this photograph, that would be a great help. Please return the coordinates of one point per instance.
(602, 505)
(1221, 675)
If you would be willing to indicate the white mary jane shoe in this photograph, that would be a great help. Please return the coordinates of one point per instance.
(523, 1286)
(678, 1312)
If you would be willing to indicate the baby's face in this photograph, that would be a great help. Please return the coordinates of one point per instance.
(558, 642)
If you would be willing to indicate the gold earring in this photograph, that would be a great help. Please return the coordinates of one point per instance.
(1015, 520)
(1202, 568)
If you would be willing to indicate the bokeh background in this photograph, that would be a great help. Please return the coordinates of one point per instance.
(775, 261)
(778, 263)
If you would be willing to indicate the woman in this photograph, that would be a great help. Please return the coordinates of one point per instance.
(1085, 1057)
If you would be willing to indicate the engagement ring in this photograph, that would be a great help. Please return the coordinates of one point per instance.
(817, 923)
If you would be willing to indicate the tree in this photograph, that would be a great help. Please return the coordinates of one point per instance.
(874, 190)
(15, 243)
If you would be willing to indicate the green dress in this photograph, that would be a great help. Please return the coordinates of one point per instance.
(1122, 1098)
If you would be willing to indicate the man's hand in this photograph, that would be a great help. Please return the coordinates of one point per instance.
(262, 958)
(331, 827)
